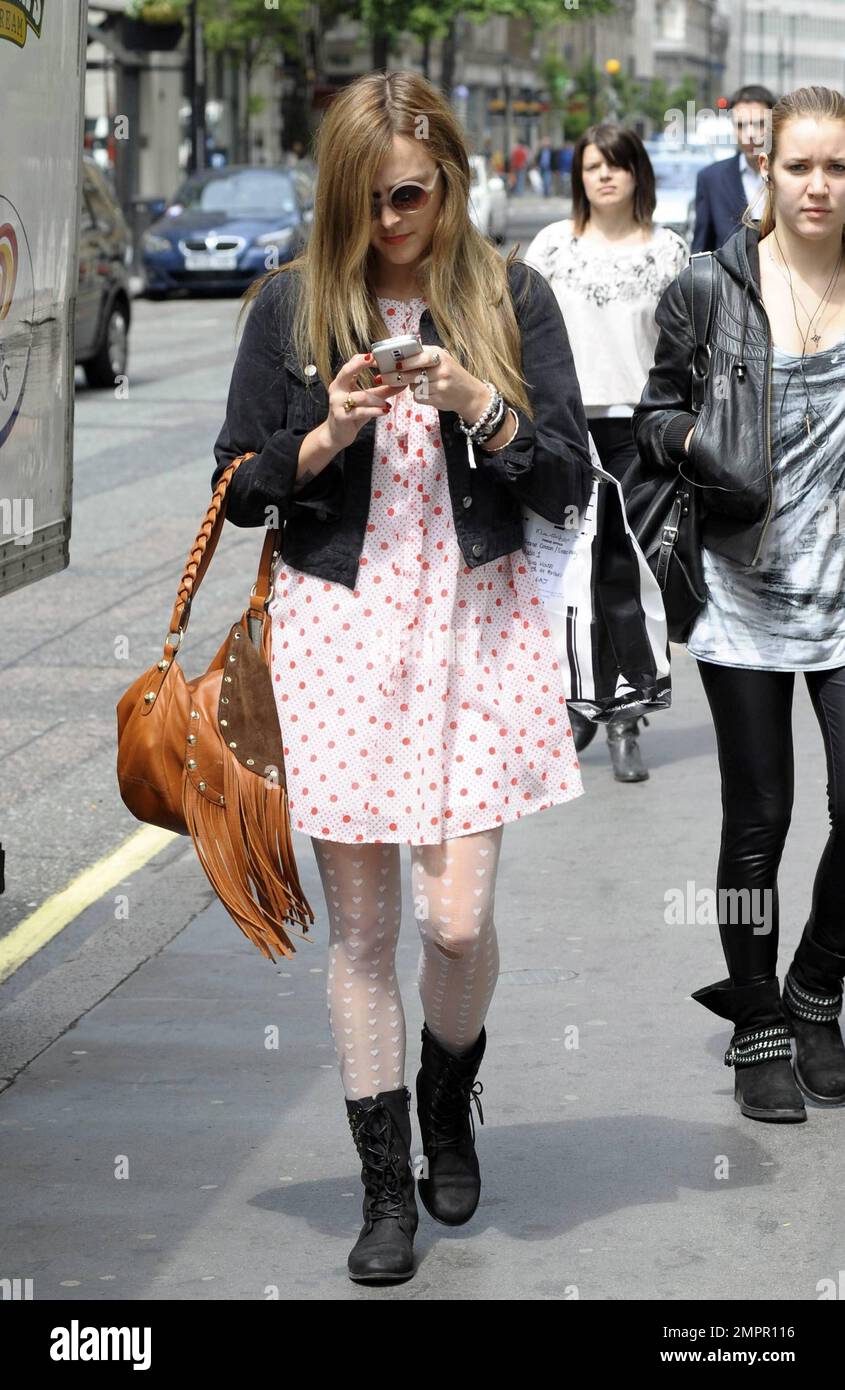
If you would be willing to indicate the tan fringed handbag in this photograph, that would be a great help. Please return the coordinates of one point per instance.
(205, 757)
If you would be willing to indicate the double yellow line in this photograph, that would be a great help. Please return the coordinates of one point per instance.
(62, 908)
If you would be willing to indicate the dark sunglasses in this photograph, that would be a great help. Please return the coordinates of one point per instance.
(407, 196)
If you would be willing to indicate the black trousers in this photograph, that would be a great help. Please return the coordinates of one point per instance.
(614, 441)
(752, 714)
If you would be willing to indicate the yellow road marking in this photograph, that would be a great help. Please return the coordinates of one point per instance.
(20, 944)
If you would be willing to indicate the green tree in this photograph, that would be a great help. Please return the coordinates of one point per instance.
(387, 21)
(158, 11)
(656, 101)
(251, 36)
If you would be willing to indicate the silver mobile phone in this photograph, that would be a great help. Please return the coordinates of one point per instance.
(389, 351)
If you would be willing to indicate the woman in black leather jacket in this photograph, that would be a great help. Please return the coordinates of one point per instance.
(768, 450)
(419, 696)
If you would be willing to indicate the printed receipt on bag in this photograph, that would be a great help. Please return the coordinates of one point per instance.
(560, 556)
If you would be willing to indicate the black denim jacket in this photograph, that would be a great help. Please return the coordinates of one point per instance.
(270, 409)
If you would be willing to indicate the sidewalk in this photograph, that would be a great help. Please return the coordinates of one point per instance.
(165, 1147)
(534, 207)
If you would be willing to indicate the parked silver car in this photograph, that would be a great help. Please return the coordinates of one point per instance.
(103, 300)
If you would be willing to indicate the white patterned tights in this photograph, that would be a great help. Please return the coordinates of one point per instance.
(454, 885)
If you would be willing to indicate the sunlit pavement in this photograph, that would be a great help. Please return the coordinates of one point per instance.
(186, 1138)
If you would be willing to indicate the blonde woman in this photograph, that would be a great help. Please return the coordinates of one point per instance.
(418, 692)
(768, 449)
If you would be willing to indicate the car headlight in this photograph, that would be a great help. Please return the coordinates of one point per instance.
(151, 242)
(280, 238)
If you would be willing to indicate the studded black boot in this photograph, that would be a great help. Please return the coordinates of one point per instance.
(624, 748)
(381, 1128)
(760, 1049)
(446, 1086)
(812, 997)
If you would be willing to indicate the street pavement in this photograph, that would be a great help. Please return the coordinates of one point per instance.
(172, 1119)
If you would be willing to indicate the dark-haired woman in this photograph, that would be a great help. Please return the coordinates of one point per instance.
(768, 450)
(419, 696)
(608, 265)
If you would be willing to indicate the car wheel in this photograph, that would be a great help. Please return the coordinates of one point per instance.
(111, 356)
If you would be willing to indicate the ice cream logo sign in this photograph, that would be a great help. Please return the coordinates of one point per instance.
(17, 17)
(17, 305)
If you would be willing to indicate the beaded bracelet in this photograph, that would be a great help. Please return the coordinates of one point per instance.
(493, 426)
(513, 436)
(471, 431)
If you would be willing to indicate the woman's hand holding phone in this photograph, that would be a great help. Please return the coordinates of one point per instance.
(341, 425)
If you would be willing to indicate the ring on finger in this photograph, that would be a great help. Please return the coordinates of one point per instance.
(348, 404)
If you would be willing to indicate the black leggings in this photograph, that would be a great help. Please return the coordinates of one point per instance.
(752, 714)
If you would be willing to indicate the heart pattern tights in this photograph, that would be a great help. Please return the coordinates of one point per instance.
(454, 885)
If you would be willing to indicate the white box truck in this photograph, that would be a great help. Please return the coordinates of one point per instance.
(42, 89)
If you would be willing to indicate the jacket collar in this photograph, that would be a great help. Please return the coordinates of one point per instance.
(741, 258)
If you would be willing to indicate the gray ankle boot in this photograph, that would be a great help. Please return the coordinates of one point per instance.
(624, 748)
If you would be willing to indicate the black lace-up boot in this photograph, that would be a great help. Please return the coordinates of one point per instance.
(624, 748)
(812, 997)
(445, 1091)
(381, 1128)
(760, 1049)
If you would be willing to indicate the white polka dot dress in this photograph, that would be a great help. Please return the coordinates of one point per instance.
(427, 702)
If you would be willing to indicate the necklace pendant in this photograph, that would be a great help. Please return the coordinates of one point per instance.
(817, 337)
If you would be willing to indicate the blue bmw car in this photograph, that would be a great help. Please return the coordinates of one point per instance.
(224, 227)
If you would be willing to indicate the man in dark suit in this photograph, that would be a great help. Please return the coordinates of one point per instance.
(727, 186)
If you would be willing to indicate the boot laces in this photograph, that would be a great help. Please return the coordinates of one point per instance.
(372, 1133)
(451, 1106)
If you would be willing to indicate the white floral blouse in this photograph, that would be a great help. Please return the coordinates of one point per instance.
(608, 296)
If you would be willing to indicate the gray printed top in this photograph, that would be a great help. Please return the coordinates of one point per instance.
(787, 613)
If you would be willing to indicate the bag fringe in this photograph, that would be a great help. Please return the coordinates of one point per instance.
(230, 841)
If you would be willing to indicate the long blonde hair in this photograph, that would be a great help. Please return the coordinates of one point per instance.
(817, 103)
(461, 275)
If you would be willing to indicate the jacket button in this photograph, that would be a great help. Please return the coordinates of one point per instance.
(477, 548)
(467, 501)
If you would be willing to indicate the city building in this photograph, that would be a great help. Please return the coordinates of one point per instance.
(785, 47)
